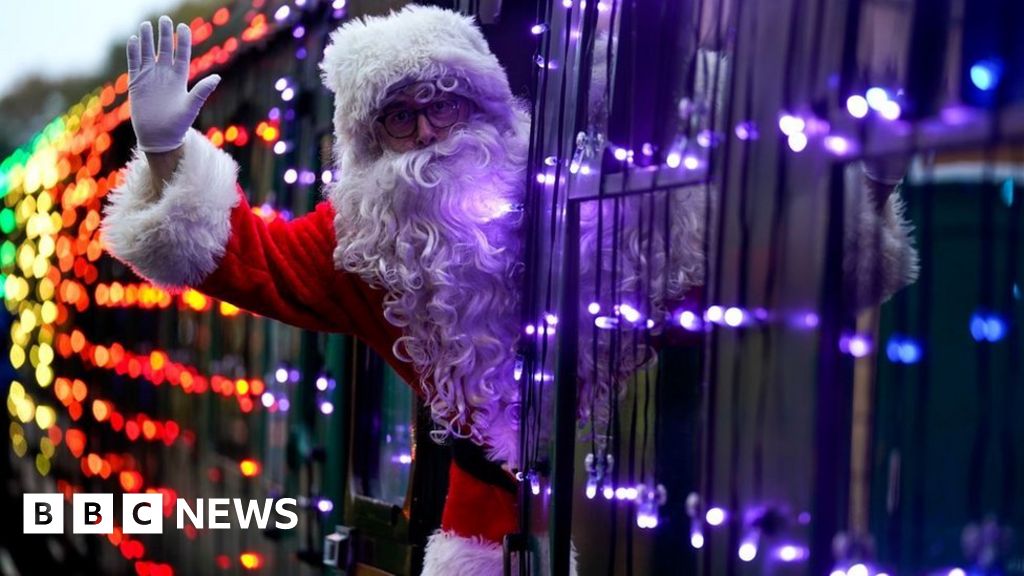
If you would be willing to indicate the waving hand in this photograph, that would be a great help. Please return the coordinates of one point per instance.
(162, 107)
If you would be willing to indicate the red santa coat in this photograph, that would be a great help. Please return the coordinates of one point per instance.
(202, 233)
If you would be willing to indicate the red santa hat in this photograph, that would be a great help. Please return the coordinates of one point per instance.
(367, 57)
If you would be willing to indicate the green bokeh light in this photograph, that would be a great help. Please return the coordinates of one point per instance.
(7, 253)
(7, 222)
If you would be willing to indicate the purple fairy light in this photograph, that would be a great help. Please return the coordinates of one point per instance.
(837, 145)
(791, 553)
(734, 316)
(858, 570)
(746, 131)
(632, 315)
(857, 106)
(715, 516)
(747, 551)
(891, 110)
(797, 141)
(876, 98)
(790, 124)
(714, 313)
(688, 320)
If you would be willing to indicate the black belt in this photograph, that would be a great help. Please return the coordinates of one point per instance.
(470, 457)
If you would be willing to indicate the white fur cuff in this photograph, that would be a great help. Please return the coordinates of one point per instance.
(880, 258)
(448, 554)
(177, 241)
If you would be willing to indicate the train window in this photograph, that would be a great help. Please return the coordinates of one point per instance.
(382, 424)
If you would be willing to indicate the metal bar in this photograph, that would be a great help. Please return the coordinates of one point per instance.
(833, 395)
(565, 400)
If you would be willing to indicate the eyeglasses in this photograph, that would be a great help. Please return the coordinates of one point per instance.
(441, 113)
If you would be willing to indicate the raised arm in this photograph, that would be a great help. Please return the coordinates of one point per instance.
(203, 234)
(179, 219)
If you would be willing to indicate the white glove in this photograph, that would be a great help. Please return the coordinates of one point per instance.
(162, 108)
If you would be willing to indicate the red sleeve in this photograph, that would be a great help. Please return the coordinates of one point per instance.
(285, 271)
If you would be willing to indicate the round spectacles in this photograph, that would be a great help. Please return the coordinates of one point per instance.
(441, 113)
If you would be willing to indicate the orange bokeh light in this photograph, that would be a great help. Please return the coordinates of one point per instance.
(249, 467)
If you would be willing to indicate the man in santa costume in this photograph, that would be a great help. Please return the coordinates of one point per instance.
(415, 248)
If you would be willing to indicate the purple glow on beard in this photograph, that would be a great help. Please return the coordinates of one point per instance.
(468, 177)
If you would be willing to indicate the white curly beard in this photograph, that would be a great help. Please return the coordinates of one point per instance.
(435, 229)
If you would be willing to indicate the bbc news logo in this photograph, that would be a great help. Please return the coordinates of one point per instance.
(143, 513)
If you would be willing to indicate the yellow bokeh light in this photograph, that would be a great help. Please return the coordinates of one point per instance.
(28, 320)
(46, 447)
(42, 464)
(15, 176)
(45, 354)
(26, 208)
(33, 179)
(44, 375)
(40, 225)
(40, 266)
(19, 336)
(20, 446)
(48, 312)
(45, 289)
(15, 290)
(26, 410)
(17, 356)
(46, 244)
(11, 287)
(44, 202)
(26, 255)
(45, 417)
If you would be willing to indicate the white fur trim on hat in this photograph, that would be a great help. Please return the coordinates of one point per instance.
(178, 240)
(367, 56)
(448, 554)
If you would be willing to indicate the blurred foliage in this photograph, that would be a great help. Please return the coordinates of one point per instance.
(36, 100)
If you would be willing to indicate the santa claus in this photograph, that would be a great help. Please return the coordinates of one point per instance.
(415, 248)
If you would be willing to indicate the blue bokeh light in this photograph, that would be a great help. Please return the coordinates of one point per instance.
(985, 74)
